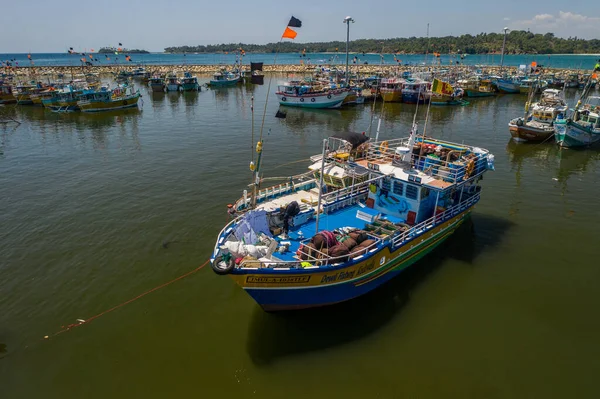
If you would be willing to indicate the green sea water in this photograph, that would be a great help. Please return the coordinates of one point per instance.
(97, 209)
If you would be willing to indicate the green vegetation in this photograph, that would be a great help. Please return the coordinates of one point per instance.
(108, 50)
(517, 42)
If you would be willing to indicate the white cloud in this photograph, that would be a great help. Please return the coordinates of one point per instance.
(506, 19)
(564, 24)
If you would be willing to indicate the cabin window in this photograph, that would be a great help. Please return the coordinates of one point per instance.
(424, 193)
(412, 192)
(398, 188)
(386, 184)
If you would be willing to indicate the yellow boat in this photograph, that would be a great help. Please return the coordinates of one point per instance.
(391, 90)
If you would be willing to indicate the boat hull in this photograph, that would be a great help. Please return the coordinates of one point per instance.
(477, 93)
(128, 102)
(508, 87)
(225, 83)
(158, 88)
(7, 99)
(173, 87)
(391, 96)
(412, 97)
(529, 133)
(190, 87)
(276, 292)
(331, 100)
(570, 134)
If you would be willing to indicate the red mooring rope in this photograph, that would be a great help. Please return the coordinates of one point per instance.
(81, 322)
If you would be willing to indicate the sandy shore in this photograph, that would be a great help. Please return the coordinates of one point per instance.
(209, 69)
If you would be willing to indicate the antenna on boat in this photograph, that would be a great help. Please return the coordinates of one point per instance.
(325, 141)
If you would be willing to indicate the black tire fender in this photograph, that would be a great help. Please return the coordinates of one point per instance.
(217, 268)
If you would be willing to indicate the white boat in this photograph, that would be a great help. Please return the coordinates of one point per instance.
(308, 96)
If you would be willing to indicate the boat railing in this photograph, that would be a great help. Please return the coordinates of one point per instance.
(320, 258)
(453, 171)
(294, 183)
(436, 219)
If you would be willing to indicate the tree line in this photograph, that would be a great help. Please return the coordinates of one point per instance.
(517, 42)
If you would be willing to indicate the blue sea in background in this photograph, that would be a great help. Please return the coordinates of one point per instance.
(585, 62)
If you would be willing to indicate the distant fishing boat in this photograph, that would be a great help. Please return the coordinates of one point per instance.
(510, 86)
(189, 82)
(172, 82)
(224, 79)
(297, 94)
(537, 84)
(64, 98)
(6, 93)
(391, 89)
(138, 73)
(582, 127)
(572, 82)
(414, 91)
(538, 123)
(22, 93)
(104, 99)
(157, 84)
(478, 88)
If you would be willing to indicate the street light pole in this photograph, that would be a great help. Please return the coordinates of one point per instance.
(347, 21)
(503, 44)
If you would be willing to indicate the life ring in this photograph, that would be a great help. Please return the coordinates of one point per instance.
(301, 100)
(329, 96)
(470, 168)
(384, 146)
(283, 99)
(222, 267)
(312, 100)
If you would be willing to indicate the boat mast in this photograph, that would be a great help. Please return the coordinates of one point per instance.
(503, 45)
(321, 185)
(427, 49)
(347, 21)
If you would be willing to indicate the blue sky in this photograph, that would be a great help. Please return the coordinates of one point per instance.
(54, 26)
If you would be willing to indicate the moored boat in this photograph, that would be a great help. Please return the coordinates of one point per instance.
(582, 127)
(384, 205)
(509, 86)
(414, 91)
(6, 93)
(391, 89)
(104, 99)
(172, 82)
(157, 83)
(189, 82)
(225, 79)
(479, 88)
(538, 124)
(298, 94)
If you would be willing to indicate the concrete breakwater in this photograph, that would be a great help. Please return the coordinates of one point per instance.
(210, 69)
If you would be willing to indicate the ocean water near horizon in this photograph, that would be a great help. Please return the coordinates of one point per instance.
(506, 308)
(572, 61)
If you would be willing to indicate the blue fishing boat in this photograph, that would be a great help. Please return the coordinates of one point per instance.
(363, 213)
(225, 79)
(121, 97)
(510, 86)
(582, 127)
(189, 82)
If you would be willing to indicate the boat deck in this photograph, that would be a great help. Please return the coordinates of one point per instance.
(347, 217)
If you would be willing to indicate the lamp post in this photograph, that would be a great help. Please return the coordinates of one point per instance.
(347, 21)
(503, 44)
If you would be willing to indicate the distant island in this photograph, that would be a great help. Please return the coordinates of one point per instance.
(517, 42)
(110, 50)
